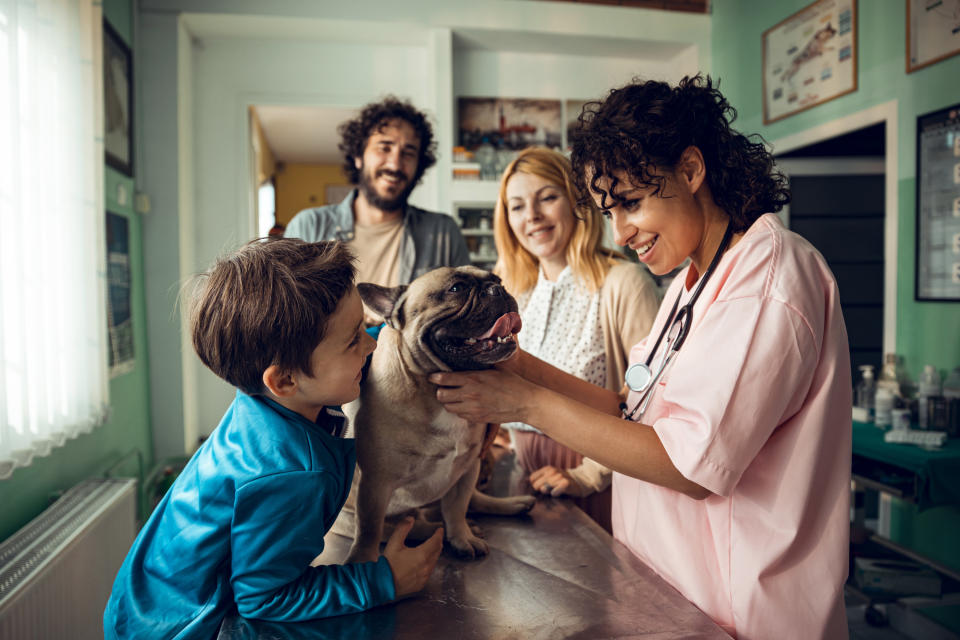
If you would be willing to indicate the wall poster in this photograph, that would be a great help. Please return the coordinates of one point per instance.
(809, 58)
(938, 206)
(933, 31)
(119, 317)
(510, 123)
(117, 101)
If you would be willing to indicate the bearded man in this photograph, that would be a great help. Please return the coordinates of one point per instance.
(386, 149)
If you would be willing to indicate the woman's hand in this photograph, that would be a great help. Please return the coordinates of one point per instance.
(486, 396)
(555, 482)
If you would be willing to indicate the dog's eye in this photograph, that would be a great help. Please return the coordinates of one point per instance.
(454, 289)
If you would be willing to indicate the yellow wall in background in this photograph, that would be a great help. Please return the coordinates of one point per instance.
(300, 186)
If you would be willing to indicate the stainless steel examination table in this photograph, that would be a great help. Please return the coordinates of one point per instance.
(551, 574)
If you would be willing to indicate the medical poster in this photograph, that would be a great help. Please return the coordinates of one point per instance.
(933, 31)
(119, 317)
(938, 205)
(809, 58)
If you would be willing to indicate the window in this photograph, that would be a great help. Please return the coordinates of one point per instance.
(53, 359)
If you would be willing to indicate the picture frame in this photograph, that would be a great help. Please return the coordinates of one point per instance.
(121, 358)
(509, 123)
(117, 101)
(937, 255)
(809, 58)
(939, 25)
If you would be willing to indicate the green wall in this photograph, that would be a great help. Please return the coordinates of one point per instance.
(28, 491)
(927, 332)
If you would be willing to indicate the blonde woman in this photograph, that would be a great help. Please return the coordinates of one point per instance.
(583, 307)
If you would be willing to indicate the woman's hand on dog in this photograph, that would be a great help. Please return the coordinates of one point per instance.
(411, 566)
(493, 395)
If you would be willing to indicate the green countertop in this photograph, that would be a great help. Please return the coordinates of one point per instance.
(937, 471)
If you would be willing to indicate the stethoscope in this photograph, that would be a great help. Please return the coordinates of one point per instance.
(639, 377)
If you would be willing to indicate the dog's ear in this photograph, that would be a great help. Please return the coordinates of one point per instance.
(383, 300)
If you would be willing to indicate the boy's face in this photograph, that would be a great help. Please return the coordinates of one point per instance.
(336, 362)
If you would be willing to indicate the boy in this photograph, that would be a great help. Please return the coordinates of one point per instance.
(282, 321)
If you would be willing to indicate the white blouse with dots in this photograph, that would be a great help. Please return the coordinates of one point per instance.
(561, 326)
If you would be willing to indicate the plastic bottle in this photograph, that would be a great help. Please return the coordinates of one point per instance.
(888, 389)
(866, 392)
(883, 407)
(889, 374)
(927, 387)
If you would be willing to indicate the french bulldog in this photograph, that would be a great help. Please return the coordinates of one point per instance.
(411, 452)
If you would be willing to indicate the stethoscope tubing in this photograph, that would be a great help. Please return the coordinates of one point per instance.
(682, 315)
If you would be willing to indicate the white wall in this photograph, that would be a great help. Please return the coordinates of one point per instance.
(295, 52)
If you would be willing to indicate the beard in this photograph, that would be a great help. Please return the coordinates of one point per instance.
(384, 203)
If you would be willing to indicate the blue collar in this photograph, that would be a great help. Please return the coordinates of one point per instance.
(330, 420)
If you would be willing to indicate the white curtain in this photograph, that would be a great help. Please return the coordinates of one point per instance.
(53, 358)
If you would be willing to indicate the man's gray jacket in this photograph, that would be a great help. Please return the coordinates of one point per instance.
(430, 239)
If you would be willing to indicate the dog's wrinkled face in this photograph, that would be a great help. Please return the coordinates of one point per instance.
(458, 319)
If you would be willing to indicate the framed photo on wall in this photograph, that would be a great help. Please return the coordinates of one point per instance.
(933, 32)
(509, 123)
(938, 206)
(809, 58)
(117, 101)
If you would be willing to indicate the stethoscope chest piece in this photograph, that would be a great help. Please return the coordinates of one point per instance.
(638, 377)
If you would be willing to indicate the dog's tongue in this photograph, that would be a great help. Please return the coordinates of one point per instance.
(505, 325)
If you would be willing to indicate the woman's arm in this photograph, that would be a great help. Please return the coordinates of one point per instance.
(575, 413)
(542, 374)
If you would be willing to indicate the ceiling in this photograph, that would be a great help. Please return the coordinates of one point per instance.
(303, 134)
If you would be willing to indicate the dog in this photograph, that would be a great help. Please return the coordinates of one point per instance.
(411, 452)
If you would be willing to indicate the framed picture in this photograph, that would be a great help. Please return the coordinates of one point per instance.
(938, 206)
(119, 316)
(509, 123)
(117, 101)
(933, 32)
(809, 58)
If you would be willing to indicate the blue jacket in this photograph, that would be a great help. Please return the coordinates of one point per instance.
(241, 525)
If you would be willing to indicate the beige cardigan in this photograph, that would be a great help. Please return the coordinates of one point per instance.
(629, 300)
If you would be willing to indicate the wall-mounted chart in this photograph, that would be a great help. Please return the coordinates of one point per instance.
(938, 205)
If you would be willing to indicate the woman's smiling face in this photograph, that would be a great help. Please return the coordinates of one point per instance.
(540, 216)
(664, 229)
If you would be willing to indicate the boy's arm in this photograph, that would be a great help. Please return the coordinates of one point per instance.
(278, 528)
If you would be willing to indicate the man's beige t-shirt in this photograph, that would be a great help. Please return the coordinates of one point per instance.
(378, 249)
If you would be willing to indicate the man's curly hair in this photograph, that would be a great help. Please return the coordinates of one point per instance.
(642, 129)
(355, 133)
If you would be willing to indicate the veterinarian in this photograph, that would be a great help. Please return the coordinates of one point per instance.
(732, 481)
(386, 150)
(583, 307)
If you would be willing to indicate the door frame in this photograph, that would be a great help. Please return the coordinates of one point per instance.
(885, 113)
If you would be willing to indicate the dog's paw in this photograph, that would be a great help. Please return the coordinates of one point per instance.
(521, 504)
(467, 546)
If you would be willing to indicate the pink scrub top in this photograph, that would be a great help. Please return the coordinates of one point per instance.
(755, 408)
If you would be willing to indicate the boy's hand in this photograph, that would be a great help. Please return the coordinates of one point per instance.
(411, 566)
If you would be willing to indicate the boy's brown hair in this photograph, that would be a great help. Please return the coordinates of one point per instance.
(268, 303)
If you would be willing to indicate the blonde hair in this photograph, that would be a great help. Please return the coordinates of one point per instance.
(517, 267)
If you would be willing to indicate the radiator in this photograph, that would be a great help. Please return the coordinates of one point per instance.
(56, 572)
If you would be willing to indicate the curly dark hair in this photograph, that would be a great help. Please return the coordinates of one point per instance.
(642, 129)
(355, 133)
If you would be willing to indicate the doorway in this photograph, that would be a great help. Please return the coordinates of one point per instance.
(838, 204)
